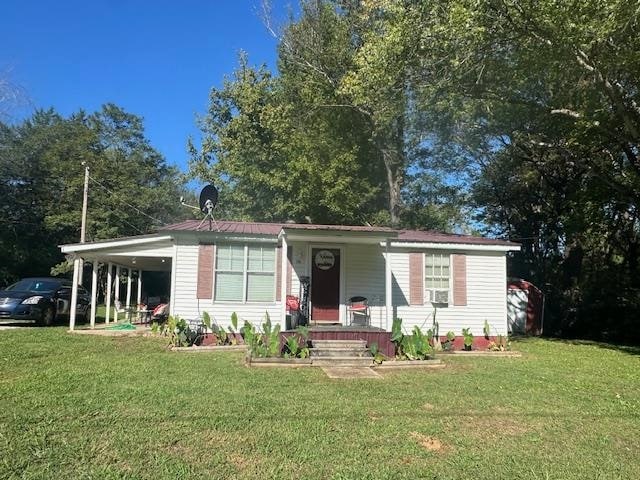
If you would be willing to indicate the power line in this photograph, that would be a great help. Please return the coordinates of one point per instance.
(124, 201)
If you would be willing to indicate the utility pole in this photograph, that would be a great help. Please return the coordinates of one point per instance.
(83, 226)
(85, 201)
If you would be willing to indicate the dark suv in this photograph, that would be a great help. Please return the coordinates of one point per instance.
(42, 299)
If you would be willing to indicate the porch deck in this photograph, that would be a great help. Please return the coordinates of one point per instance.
(352, 332)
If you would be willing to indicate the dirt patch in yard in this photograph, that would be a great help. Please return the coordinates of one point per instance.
(431, 444)
(239, 461)
(490, 426)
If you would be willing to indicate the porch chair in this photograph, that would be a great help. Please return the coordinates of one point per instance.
(160, 313)
(119, 308)
(359, 311)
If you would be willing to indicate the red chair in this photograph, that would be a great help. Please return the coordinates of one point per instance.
(358, 309)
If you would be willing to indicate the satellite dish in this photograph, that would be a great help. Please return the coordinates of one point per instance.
(208, 198)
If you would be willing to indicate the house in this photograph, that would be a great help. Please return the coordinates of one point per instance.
(249, 268)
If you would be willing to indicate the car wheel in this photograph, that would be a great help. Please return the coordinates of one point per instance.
(48, 316)
(86, 317)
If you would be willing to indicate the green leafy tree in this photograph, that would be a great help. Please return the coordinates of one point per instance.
(132, 190)
(327, 138)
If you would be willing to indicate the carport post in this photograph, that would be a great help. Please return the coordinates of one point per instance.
(94, 292)
(129, 271)
(116, 294)
(284, 261)
(139, 292)
(388, 291)
(74, 293)
(108, 299)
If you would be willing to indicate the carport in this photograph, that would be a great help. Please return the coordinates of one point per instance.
(154, 253)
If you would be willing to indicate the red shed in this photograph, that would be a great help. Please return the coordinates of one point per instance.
(525, 307)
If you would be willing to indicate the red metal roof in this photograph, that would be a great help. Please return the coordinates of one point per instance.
(429, 236)
(225, 226)
(273, 229)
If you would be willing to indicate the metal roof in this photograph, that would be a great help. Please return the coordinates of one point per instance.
(429, 236)
(273, 229)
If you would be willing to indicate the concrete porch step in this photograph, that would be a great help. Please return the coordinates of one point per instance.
(343, 361)
(360, 344)
(339, 352)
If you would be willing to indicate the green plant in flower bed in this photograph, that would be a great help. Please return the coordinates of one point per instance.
(233, 328)
(221, 337)
(178, 331)
(410, 347)
(468, 338)
(486, 329)
(296, 344)
(448, 343)
(265, 343)
(378, 358)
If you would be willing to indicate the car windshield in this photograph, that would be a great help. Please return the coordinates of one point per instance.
(31, 285)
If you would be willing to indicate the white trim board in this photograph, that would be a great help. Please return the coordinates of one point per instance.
(84, 247)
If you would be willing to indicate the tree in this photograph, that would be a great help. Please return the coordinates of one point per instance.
(327, 138)
(132, 190)
(547, 96)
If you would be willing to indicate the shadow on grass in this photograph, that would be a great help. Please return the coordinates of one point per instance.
(628, 349)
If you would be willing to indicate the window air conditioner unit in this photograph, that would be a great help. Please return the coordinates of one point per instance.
(440, 297)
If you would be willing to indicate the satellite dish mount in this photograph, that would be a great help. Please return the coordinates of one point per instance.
(208, 201)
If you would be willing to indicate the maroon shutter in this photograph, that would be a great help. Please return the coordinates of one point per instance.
(278, 273)
(416, 278)
(459, 279)
(206, 255)
(289, 268)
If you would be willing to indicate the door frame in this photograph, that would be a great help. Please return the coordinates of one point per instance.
(341, 304)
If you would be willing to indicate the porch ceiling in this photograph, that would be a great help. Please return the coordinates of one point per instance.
(150, 252)
(148, 264)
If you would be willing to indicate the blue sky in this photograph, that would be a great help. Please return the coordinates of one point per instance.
(155, 58)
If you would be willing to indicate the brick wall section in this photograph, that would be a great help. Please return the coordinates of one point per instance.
(416, 278)
(459, 279)
(206, 255)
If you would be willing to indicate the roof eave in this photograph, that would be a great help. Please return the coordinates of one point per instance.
(496, 247)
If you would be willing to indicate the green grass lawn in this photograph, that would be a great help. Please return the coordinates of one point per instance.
(93, 407)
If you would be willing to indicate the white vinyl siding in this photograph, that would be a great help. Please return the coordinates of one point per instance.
(365, 270)
(245, 273)
(186, 304)
(486, 296)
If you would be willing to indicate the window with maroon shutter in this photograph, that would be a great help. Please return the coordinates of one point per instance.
(459, 279)
(437, 274)
(204, 288)
(416, 278)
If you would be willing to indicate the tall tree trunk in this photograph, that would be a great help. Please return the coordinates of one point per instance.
(391, 145)
(394, 169)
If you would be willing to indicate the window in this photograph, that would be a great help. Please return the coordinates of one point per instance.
(245, 273)
(436, 276)
(261, 274)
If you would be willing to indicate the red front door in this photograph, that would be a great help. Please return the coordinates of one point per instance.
(325, 284)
